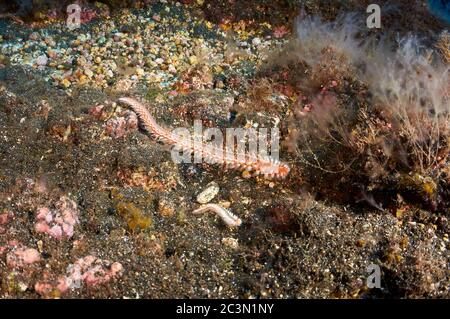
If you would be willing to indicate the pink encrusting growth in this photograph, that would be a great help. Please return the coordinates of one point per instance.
(264, 165)
(118, 127)
(89, 270)
(59, 222)
(21, 256)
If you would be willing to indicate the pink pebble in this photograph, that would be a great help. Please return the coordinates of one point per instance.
(89, 270)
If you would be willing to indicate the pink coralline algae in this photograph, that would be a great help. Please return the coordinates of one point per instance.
(21, 256)
(97, 110)
(120, 126)
(93, 271)
(59, 222)
(3, 218)
(89, 270)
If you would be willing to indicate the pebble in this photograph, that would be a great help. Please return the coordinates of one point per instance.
(66, 83)
(81, 61)
(117, 37)
(246, 174)
(230, 242)
(172, 69)
(34, 36)
(50, 42)
(207, 195)
(165, 208)
(193, 60)
(256, 41)
(42, 60)
(149, 45)
(88, 73)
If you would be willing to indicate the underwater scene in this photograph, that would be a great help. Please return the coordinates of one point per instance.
(224, 149)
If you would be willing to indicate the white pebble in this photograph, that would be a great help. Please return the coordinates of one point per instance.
(42, 60)
(208, 194)
(256, 41)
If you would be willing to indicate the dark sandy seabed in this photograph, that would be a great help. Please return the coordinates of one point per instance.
(134, 207)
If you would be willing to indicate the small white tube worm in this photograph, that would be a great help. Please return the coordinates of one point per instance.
(228, 218)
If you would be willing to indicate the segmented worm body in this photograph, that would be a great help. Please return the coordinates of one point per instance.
(264, 165)
(228, 218)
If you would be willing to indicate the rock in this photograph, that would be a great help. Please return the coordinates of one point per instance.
(65, 83)
(246, 174)
(34, 36)
(50, 42)
(83, 79)
(117, 37)
(256, 41)
(81, 61)
(172, 69)
(88, 73)
(42, 60)
(230, 242)
(165, 208)
(140, 71)
(209, 193)
(193, 60)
